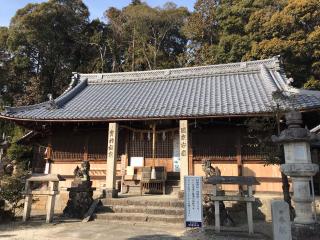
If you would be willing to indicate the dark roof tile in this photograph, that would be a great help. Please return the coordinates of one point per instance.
(229, 89)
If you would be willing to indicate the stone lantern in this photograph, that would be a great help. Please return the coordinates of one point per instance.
(296, 141)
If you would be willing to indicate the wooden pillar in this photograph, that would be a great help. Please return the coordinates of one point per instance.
(239, 157)
(154, 139)
(112, 160)
(85, 150)
(27, 202)
(48, 156)
(184, 161)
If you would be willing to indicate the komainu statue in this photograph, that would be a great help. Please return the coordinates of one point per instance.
(208, 204)
(82, 172)
(80, 192)
(209, 170)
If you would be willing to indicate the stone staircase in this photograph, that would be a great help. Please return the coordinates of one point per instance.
(161, 209)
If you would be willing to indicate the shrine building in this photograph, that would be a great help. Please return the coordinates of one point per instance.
(174, 118)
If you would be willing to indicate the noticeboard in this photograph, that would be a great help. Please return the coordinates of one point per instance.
(193, 212)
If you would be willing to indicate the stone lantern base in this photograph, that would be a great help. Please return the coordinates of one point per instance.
(80, 199)
(302, 232)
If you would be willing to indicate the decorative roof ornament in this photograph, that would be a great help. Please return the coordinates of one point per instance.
(51, 103)
(289, 81)
(74, 81)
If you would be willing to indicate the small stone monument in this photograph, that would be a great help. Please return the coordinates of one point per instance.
(281, 225)
(80, 193)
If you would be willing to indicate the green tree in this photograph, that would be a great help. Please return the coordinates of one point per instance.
(229, 30)
(46, 40)
(292, 32)
(12, 184)
(260, 129)
(151, 36)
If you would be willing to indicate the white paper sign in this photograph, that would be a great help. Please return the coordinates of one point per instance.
(193, 201)
(176, 164)
(136, 161)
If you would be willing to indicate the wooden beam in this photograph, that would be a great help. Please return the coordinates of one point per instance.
(239, 157)
(85, 150)
(154, 136)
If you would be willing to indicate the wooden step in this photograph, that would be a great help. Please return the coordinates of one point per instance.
(143, 209)
(140, 217)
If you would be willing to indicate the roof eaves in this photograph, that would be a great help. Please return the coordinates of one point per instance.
(303, 91)
(13, 110)
(315, 129)
(58, 102)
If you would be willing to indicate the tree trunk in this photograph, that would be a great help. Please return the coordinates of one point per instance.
(284, 178)
(286, 194)
(133, 49)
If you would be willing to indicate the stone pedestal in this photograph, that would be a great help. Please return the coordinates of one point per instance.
(80, 199)
(111, 193)
(181, 194)
(300, 175)
(303, 232)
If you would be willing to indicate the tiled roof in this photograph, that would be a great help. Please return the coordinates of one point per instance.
(234, 89)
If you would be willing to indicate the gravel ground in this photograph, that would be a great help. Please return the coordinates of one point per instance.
(61, 229)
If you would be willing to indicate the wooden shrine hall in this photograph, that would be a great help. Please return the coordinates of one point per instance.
(170, 120)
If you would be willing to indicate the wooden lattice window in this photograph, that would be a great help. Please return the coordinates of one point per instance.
(214, 143)
(140, 145)
(68, 146)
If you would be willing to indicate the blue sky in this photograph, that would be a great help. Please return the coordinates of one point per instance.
(96, 7)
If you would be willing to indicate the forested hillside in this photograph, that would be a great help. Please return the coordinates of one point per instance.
(46, 42)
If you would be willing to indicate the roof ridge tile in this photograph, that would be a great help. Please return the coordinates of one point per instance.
(170, 74)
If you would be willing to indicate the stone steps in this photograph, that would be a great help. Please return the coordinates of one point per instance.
(143, 202)
(140, 217)
(142, 209)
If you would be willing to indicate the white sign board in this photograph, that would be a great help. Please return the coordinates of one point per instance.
(176, 153)
(136, 161)
(176, 164)
(193, 201)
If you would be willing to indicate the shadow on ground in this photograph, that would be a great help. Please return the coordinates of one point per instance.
(155, 237)
(210, 233)
(7, 236)
(34, 222)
